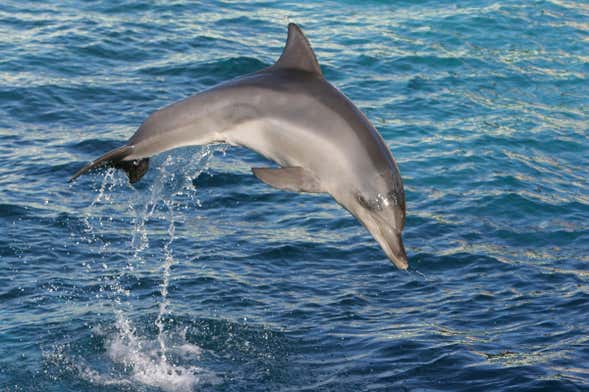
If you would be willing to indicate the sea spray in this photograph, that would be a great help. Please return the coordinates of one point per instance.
(145, 359)
(169, 260)
(93, 233)
(137, 356)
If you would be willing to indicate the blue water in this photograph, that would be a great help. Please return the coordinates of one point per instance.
(202, 278)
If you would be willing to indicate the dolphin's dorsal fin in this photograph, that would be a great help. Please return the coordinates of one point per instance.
(297, 53)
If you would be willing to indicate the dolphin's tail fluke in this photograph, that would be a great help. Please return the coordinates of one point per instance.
(135, 169)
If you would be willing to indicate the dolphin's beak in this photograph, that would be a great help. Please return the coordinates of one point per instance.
(395, 250)
(389, 238)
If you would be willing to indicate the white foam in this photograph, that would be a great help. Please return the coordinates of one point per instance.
(131, 359)
(148, 367)
(190, 349)
(147, 363)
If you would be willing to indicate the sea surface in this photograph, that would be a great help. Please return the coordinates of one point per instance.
(202, 278)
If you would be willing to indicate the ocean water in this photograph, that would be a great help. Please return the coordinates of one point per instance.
(201, 278)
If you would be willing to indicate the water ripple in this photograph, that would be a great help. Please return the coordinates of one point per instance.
(200, 277)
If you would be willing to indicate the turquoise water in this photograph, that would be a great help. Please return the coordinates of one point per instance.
(202, 278)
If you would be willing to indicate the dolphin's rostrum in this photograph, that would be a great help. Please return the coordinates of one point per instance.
(291, 115)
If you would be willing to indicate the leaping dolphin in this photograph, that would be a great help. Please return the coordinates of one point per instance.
(291, 115)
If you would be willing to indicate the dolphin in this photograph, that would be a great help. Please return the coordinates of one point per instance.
(292, 115)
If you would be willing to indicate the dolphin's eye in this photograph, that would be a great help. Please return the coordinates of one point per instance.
(369, 204)
(390, 199)
(378, 202)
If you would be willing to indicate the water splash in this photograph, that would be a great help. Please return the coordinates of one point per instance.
(169, 260)
(169, 361)
(104, 194)
(150, 361)
(145, 361)
(92, 234)
(131, 358)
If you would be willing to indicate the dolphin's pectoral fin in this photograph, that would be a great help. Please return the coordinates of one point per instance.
(294, 179)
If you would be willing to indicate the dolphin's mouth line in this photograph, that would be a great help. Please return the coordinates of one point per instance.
(390, 240)
(393, 246)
